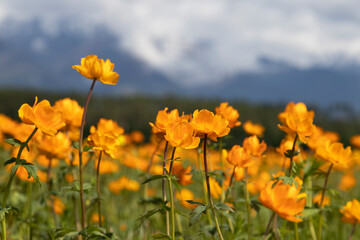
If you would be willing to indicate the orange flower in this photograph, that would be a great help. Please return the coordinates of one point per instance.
(95, 218)
(253, 146)
(54, 147)
(320, 136)
(351, 212)
(97, 69)
(355, 141)
(216, 189)
(259, 182)
(109, 127)
(253, 128)
(183, 196)
(182, 134)
(230, 114)
(183, 174)
(137, 137)
(285, 200)
(335, 153)
(239, 157)
(59, 206)
(103, 142)
(297, 120)
(317, 199)
(163, 119)
(123, 183)
(43, 116)
(70, 110)
(347, 181)
(205, 122)
(106, 166)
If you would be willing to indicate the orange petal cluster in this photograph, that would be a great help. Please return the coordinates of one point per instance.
(334, 152)
(71, 111)
(182, 134)
(253, 128)
(351, 212)
(230, 114)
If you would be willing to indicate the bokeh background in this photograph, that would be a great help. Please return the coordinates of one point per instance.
(258, 55)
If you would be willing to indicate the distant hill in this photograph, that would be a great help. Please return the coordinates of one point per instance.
(31, 59)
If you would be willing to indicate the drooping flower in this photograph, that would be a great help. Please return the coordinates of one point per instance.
(253, 128)
(296, 119)
(254, 146)
(239, 157)
(181, 134)
(95, 68)
(205, 122)
(351, 212)
(286, 200)
(335, 153)
(70, 110)
(230, 114)
(43, 116)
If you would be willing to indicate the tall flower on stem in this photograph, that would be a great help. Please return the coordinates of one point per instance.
(97, 70)
(213, 126)
(351, 214)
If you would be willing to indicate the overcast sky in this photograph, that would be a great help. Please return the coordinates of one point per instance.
(208, 40)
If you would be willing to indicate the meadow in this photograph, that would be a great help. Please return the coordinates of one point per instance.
(92, 167)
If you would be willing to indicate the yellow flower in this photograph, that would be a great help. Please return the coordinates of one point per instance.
(297, 120)
(183, 174)
(347, 181)
(283, 199)
(123, 183)
(163, 119)
(57, 146)
(43, 116)
(335, 153)
(253, 128)
(320, 136)
(216, 189)
(108, 126)
(183, 196)
(230, 114)
(253, 146)
(239, 157)
(317, 199)
(355, 141)
(106, 166)
(103, 142)
(351, 212)
(182, 134)
(95, 68)
(71, 111)
(205, 122)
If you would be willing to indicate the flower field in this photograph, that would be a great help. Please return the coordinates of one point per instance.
(63, 179)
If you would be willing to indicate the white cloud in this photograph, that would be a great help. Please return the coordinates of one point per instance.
(207, 40)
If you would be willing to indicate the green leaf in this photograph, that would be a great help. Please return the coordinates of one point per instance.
(161, 236)
(309, 212)
(196, 214)
(155, 177)
(76, 145)
(148, 214)
(76, 187)
(66, 233)
(290, 154)
(311, 169)
(223, 207)
(7, 210)
(14, 142)
(14, 168)
(285, 180)
(195, 203)
(11, 160)
(87, 148)
(32, 171)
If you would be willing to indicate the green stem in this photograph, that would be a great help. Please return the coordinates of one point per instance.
(269, 224)
(204, 188)
(321, 220)
(82, 201)
(98, 188)
(11, 178)
(248, 205)
(296, 231)
(209, 191)
(178, 221)
(352, 231)
(163, 189)
(292, 156)
(29, 207)
(172, 160)
(230, 184)
(172, 210)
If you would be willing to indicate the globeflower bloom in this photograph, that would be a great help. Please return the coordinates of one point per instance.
(71, 111)
(182, 134)
(97, 69)
(239, 157)
(183, 196)
(163, 119)
(43, 116)
(253, 128)
(254, 146)
(205, 122)
(285, 200)
(297, 120)
(335, 153)
(230, 114)
(351, 212)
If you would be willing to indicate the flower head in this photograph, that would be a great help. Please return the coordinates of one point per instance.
(163, 119)
(183, 196)
(230, 114)
(239, 157)
(43, 116)
(253, 128)
(95, 68)
(71, 111)
(182, 134)
(205, 122)
(286, 200)
(297, 120)
(351, 212)
(254, 146)
(335, 153)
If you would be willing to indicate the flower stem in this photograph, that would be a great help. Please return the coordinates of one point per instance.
(321, 202)
(269, 224)
(209, 191)
(248, 204)
(230, 184)
(172, 160)
(98, 188)
(82, 202)
(292, 156)
(204, 188)
(11, 178)
(172, 210)
(352, 231)
(163, 189)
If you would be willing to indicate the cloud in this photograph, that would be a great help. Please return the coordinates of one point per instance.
(208, 40)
